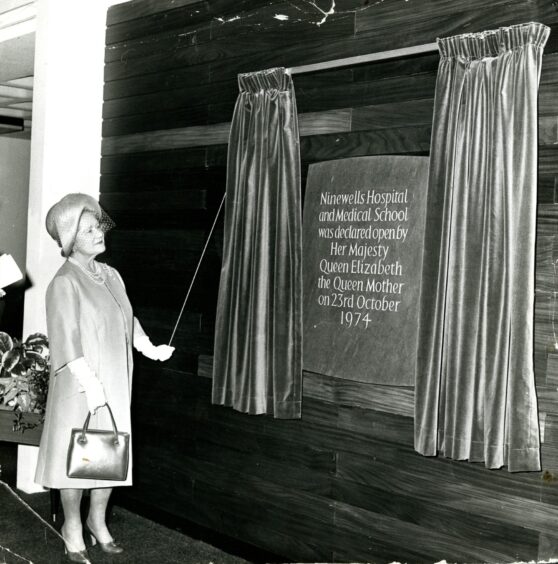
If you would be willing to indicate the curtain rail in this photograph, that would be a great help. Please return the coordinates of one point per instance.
(378, 56)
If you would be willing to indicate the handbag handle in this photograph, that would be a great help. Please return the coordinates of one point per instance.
(83, 439)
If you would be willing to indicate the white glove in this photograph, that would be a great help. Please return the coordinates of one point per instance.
(148, 349)
(89, 383)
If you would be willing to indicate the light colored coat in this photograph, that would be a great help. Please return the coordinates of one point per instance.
(94, 320)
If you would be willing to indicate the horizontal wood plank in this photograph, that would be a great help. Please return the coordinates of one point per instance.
(548, 160)
(401, 114)
(369, 424)
(428, 13)
(155, 82)
(397, 400)
(318, 123)
(379, 142)
(153, 161)
(422, 544)
(156, 22)
(147, 202)
(549, 69)
(132, 11)
(157, 181)
(191, 116)
(515, 543)
(408, 140)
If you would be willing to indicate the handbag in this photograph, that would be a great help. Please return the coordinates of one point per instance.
(95, 454)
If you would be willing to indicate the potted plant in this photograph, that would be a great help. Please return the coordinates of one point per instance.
(24, 376)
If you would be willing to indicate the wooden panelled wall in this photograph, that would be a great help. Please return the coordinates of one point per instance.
(344, 482)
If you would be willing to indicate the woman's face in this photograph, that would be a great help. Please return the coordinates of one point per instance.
(90, 238)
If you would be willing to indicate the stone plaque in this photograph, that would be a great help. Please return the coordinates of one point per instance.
(363, 232)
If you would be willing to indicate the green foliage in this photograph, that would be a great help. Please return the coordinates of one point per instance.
(24, 376)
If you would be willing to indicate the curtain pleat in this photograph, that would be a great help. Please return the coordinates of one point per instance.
(258, 335)
(475, 393)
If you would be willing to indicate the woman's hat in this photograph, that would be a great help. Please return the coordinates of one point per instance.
(62, 219)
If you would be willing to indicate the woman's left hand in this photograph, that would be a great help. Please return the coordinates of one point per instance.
(161, 352)
(148, 349)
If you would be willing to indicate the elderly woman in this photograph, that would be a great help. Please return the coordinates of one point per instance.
(91, 330)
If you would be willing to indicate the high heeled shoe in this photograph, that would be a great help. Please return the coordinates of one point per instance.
(81, 557)
(111, 547)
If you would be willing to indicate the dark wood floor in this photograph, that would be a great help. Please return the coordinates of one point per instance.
(24, 535)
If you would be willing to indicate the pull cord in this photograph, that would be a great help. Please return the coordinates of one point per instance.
(197, 268)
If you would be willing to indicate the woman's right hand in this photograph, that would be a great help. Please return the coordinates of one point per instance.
(89, 383)
(94, 394)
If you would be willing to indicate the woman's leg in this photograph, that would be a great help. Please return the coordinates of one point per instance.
(96, 520)
(71, 529)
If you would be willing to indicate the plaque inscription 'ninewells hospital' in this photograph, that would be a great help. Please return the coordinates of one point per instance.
(363, 234)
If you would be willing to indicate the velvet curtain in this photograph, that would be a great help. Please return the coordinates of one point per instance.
(475, 390)
(258, 335)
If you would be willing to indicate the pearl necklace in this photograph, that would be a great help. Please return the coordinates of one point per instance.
(97, 276)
